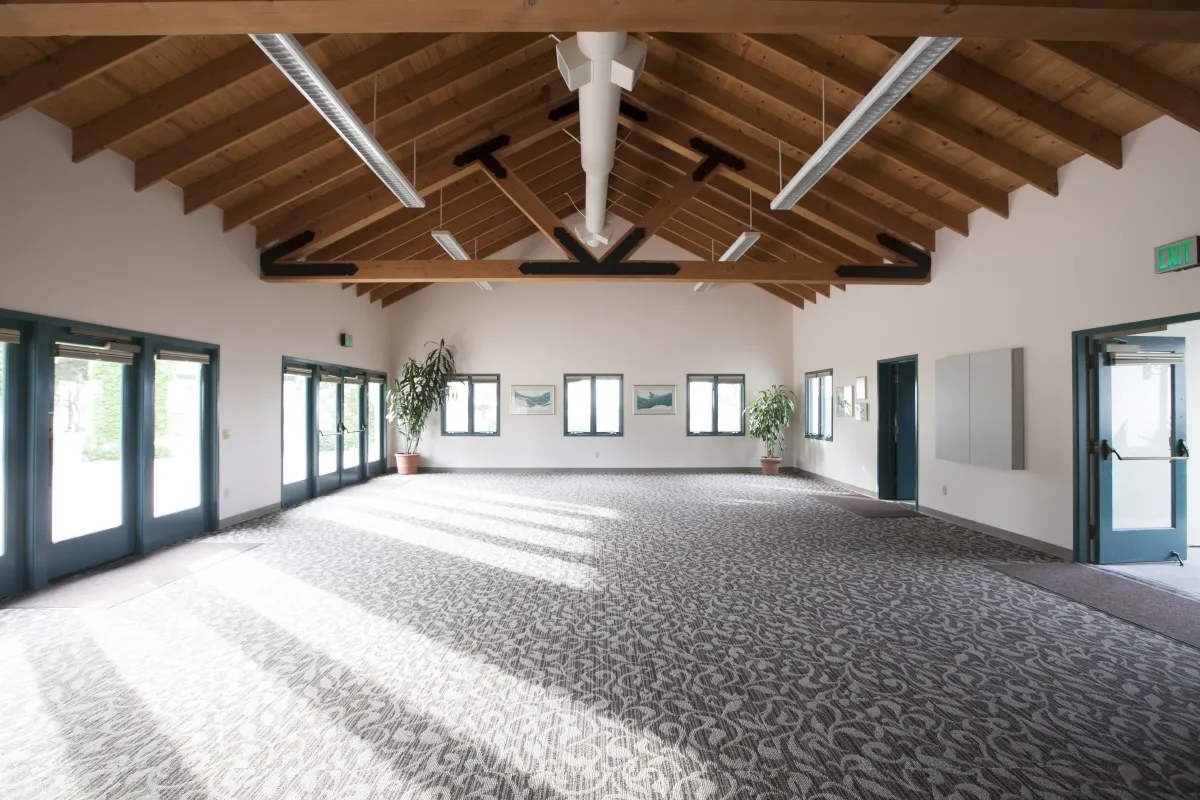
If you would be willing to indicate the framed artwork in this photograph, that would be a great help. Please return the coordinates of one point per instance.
(531, 400)
(843, 401)
(860, 388)
(654, 400)
(860, 411)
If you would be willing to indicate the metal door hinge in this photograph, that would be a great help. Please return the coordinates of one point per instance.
(1093, 532)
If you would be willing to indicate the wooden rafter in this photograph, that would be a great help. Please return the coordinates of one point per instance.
(1131, 76)
(68, 67)
(1097, 20)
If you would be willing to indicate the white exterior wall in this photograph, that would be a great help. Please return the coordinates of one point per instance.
(1081, 260)
(77, 242)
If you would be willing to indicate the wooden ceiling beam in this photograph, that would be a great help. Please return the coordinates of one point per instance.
(529, 203)
(311, 139)
(66, 68)
(972, 139)
(378, 202)
(396, 139)
(894, 148)
(172, 97)
(203, 144)
(1059, 121)
(684, 188)
(1096, 20)
(1146, 84)
(445, 270)
(407, 291)
(783, 294)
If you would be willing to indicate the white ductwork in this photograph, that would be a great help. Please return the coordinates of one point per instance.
(599, 66)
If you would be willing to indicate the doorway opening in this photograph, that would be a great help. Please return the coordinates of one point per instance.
(1133, 392)
(897, 382)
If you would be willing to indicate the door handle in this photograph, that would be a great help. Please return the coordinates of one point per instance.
(1106, 449)
(323, 433)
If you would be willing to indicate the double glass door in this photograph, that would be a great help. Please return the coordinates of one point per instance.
(332, 428)
(1140, 451)
(107, 447)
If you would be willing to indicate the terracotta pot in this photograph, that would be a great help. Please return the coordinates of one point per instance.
(771, 465)
(406, 463)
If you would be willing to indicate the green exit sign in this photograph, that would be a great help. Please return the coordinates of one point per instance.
(1177, 255)
(347, 340)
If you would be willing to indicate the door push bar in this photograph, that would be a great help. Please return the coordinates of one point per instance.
(341, 430)
(1106, 449)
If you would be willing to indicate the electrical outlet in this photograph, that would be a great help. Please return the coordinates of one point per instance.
(945, 490)
(226, 494)
(225, 433)
(597, 454)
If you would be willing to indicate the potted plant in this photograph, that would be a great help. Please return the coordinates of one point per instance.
(418, 392)
(767, 420)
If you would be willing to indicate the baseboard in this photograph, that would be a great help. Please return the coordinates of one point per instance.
(847, 486)
(246, 516)
(598, 470)
(1065, 553)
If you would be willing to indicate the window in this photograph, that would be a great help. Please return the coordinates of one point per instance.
(472, 403)
(715, 405)
(592, 405)
(818, 404)
(374, 419)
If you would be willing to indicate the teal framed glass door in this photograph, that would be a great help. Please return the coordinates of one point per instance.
(12, 544)
(1141, 450)
(353, 465)
(374, 423)
(329, 431)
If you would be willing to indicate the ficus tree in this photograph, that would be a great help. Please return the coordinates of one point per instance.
(768, 417)
(420, 390)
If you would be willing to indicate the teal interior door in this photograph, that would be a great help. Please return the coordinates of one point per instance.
(1140, 450)
(12, 546)
(353, 430)
(329, 431)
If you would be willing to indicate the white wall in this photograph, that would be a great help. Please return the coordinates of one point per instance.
(1078, 261)
(76, 241)
(655, 333)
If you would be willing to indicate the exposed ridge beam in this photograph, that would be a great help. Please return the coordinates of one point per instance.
(1161, 92)
(66, 68)
(1060, 122)
(171, 98)
(1096, 20)
(393, 139)
(972, 139)
(224, 133)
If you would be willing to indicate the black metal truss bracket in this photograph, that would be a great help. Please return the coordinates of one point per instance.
(586, 264)
(572, 107)
(270, 268)
(713, 157)
(485, 154)
(922, 261)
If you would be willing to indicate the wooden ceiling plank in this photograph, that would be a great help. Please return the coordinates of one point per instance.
(1062, 123)
(407, 291)
(1161, 92)
(791, 96)
(685, 187)
(379, 202)
(394, 139)
(445, 270)
(1097, 20)
(171, 98)
(66, 68)
(529, 203)
(196, 147)
(973, 139)
(783, 294)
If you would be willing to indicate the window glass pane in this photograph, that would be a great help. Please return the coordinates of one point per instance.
(700, 410)
(579, 405)
(487, 401)
(457, 406)
(608, 405)
(827, 405)
(3, 482)
(352, 420)
(1142, 427)
(729, 407)
(327, 397)
(177, 436)
(374, 409)
(87, 426)
(295, 428)
(812, 402)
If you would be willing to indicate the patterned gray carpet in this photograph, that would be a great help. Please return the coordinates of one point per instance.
(595, 636)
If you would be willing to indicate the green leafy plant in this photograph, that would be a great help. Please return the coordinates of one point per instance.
(768, 417)
(420, 390)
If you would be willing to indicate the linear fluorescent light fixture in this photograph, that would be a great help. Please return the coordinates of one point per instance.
(701, 287)
(451, 246)
(740, 246)
(487, 287)
(293, 61)
(909, 70)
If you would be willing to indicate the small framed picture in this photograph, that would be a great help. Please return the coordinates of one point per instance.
(860, 388)
(843, 397)
(860, 411)
(531, 400)
(654, 400)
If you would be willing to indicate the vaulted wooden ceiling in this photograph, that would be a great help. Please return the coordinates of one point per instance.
(210, 114)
